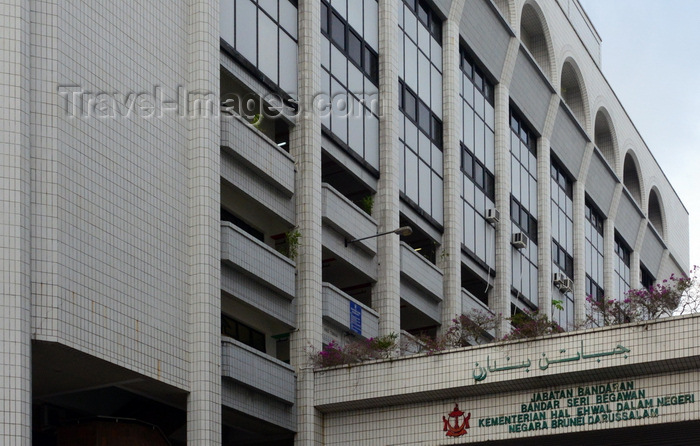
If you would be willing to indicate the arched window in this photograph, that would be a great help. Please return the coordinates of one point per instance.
(604, 139)
(572, 91)
(534, 36)
(630, 178)
(655, 212)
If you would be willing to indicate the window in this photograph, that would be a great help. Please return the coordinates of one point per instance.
(522, 218)
(262, 36)
(646, 279)
(350, 42)
(521, 129)
(563, 260)
(427, 17)
(594, 290)
(479, 174)
(242, 333)
(421, 115)
(475, 74)
(562, 179)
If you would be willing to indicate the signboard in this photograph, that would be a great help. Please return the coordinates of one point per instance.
(356, 318)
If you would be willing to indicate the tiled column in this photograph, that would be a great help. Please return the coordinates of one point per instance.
(204, 401)
(544, 227)
(579, 252)
(386, 293)
(501, 304)
(306, 150)
(15, 334)
(452, 237)
(609, 255)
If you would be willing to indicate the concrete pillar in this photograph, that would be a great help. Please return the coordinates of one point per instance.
(204, 401)
(452, 237)
(15, 334)
(544, 227)
(306, 150)
(501, 301)
(609, 257)
(386, 293)
(579, 252)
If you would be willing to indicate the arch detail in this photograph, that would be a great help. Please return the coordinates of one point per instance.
(631, 177)
(655, 212)
(535, 35)
(604, 137)
(573, 91)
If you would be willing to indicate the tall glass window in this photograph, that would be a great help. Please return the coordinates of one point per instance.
(523, 210)
(350, 75)
(622, 268)
(262, 34)
(478, 142)
(594, 253)
(562, 211)
(420, 93)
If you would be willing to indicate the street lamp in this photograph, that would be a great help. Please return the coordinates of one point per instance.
(403, 230)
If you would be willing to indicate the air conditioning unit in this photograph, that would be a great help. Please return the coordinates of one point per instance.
(563, 283)
(519, 240)
(492, 215)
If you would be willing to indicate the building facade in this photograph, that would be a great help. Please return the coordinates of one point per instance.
(185, 183)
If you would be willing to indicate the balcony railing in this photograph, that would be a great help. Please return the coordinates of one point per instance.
(348, 219)
(420, 272)
(350, 314)
(257, 370)
(258, 153)
(257, 260)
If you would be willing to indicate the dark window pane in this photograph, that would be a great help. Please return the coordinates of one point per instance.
(257, 340)
(468, 164)
(409, 104)
(555, 253)
(371, 64)
(478, 80)
(436, 28)
(524, 135)
(355, 48)
(436, 131)
(514, 211)
(338, 30)
(524, 219)
(533, 229)
(422, 13)
(424, 117)
(244, 334)
(490, 185)
(479, 175)
(324, 18)
(514, 123)
(467, 68)
(553, 171)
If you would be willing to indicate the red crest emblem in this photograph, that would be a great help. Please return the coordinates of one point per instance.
(456, 429)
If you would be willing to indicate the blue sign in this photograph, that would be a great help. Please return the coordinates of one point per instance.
(356, 317)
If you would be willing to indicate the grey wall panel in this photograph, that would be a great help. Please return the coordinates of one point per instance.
(628, 219)
(568, 142)
(529, 91)
(485, 33)
(444, 6)
(244, 399)
(417, 298)
(652, 251)
(600, 183)
(259, 371)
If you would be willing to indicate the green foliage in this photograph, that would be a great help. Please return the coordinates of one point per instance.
(291, 247)
(367, 204)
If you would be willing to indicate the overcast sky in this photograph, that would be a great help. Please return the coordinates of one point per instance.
(651, 57)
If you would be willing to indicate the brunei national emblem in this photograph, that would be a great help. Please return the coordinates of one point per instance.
(456, 429)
